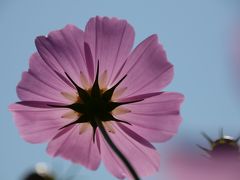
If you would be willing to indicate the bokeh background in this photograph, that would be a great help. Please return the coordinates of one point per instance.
(197, 35)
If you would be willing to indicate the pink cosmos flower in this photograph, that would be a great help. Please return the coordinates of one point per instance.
(79, 81)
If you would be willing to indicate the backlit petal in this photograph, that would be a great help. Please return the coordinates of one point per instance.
(141, 154)
(110, 40)
(79, 148)
(156, 118)
(37, 125)
(147, 69)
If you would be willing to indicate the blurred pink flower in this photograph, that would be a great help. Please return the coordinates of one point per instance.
(220, 161)
(188, 167)
(78, 78)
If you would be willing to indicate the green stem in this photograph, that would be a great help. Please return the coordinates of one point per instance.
(116, 150)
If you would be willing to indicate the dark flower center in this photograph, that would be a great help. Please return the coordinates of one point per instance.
(94, 105)
(225, 147)
(222, 148)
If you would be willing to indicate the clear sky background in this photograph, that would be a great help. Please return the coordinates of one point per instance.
(195, 33)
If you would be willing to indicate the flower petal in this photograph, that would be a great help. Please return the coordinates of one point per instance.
(156, 118)
(42, 71)
(40, 83)
(147, 69)
(140, 153)
(78, 147)
(63, 51)
(37, 125)
(110, 41)
(31, 87)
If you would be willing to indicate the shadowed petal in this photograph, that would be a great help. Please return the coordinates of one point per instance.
(78, 147)
(63, 51)
(140, 153)
(156, 118)
(110, 40)
(147, 69)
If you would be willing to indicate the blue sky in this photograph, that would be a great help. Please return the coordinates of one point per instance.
(195, 34)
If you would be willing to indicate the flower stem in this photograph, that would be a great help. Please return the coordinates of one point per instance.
(116, 150)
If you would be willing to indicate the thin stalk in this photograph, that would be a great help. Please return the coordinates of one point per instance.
(117, 151)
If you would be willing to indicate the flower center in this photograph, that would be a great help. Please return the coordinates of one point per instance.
(95, 104)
